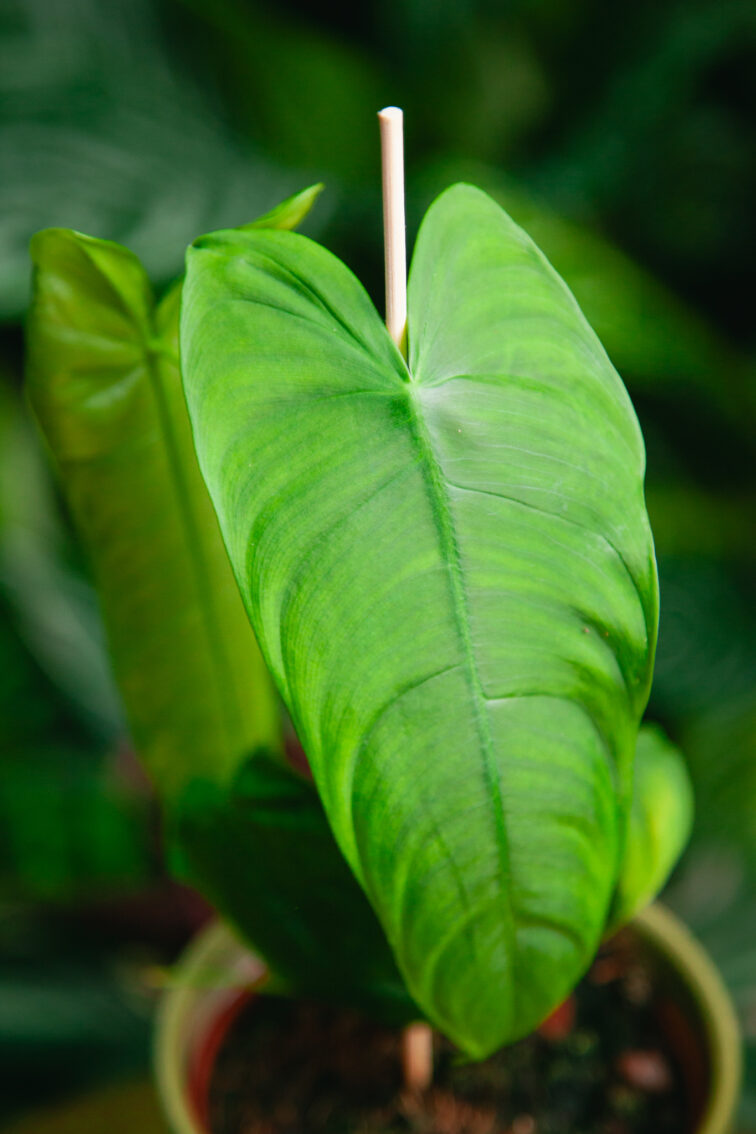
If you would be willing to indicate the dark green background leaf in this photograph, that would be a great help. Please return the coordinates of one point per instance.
(265, 838)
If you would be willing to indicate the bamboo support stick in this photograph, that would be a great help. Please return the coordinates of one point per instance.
(417, 1039)
(395, 244)
(417, 1056)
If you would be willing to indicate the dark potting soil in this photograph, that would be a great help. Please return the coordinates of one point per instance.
(600, 1065)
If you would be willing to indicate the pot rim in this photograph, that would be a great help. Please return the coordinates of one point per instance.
(218, 943)
(196, 972)
(670, 937)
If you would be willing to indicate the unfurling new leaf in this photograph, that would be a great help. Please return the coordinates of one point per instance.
(660, 822)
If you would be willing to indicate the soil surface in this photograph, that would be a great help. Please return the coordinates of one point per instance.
(600, 1065)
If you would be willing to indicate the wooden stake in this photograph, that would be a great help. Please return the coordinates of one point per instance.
(417, 1056)
(417, 1039)
(395, 242)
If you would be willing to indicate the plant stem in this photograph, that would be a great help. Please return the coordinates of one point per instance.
(417, 1056)
(392, 164)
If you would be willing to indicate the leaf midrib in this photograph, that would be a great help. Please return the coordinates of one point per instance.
(442, 513)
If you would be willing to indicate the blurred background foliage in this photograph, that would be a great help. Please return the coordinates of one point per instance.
(622, 139)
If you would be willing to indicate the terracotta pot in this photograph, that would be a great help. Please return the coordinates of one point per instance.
(210, 983)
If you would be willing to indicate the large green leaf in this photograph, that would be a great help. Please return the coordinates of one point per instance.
(103, 380)
(449, 568)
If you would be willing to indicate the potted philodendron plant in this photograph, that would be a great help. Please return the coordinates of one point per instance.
(429, 540)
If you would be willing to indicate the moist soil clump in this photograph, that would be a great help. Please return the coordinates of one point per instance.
(600, 1065)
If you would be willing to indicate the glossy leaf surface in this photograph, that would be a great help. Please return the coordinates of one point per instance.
(449, 568)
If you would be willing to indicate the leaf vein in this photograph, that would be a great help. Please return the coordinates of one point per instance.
(565, 520)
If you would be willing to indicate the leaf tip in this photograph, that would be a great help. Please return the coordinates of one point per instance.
(290, 213)
(45, 240)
